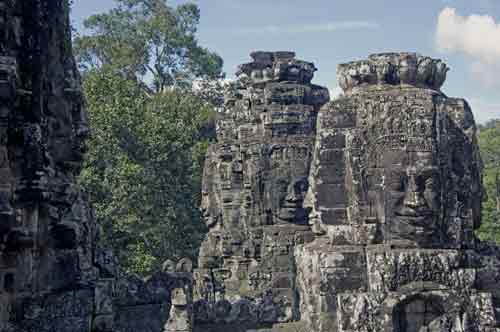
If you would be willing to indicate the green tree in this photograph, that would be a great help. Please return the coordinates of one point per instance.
(489, 143)
(144, 168)
(150, 131)
(149, 41)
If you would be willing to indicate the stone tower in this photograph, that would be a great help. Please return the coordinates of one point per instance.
(395, 196)
(254, 185)
(352, 215)
(53, 277)
(47, 232)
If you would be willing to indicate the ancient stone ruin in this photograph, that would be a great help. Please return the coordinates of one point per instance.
(395, 196)
(53, 277)
(253, 192)
(351, 215)
(47, 232)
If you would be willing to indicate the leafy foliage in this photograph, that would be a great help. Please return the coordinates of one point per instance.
(489, 143)
(144, 169)
(150, 131)
(149, 41)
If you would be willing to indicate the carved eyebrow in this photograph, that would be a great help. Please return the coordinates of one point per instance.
(427, 172)
(395, 171)
(428, 169)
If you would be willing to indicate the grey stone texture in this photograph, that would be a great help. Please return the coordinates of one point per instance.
(351, 215)
(47, 234)
(356, 214)
(53, 276)
(395, 196)
(254, 185)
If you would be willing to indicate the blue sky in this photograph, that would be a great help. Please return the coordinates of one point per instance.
(328, 32)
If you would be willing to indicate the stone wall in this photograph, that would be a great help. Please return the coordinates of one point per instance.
(53, 277)
(47, 234)
(395, 195)
(254, 185)
(352, 215)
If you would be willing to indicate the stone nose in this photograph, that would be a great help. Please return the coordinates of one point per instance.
(413, 197)
(293, 195)
(414, 200)
(204, 203)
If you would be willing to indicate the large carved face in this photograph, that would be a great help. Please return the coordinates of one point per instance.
(210, 201)
(209, 209)
(68, 123)
(405, 188)
(405, 184)
(419, 186)
(286, 185)
(69, 130)
(291, 201)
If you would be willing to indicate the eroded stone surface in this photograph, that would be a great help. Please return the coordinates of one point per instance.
(355, 216)
(254, 186)
(395, 196)
(47, 234)
(53, 277)
(392, 69)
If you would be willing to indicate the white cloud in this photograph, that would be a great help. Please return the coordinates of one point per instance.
(308, 28)
(475, 35)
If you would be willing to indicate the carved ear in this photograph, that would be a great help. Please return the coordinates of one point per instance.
(458, 111)
(168, 266)
(184, 265)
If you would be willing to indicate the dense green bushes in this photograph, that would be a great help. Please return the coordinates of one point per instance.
(150, 131)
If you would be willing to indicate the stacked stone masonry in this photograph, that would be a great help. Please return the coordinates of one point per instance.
(356, 214)
(53, 277)
(255, 182)
(47, 232)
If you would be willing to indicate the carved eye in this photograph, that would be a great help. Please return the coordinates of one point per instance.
(301, 186)
(398, 183)
(420, 183)
(281, 186)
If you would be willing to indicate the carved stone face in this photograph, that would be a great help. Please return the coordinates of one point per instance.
(417, 185)
(285, 184)
(284, 196)
(291, 207)
(69, 130)
(410, 195)
(209, 208)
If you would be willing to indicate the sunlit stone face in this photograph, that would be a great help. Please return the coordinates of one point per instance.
(210, 201)
(285, 185)
(414, 182)
(404, 186)
(392, 169)
(291, 209)
(264, 189)
(408, 193)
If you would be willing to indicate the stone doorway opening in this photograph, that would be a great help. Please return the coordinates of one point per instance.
(416, 313)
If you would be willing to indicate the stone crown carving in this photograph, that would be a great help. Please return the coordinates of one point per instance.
(392, 69)
(275, 67)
